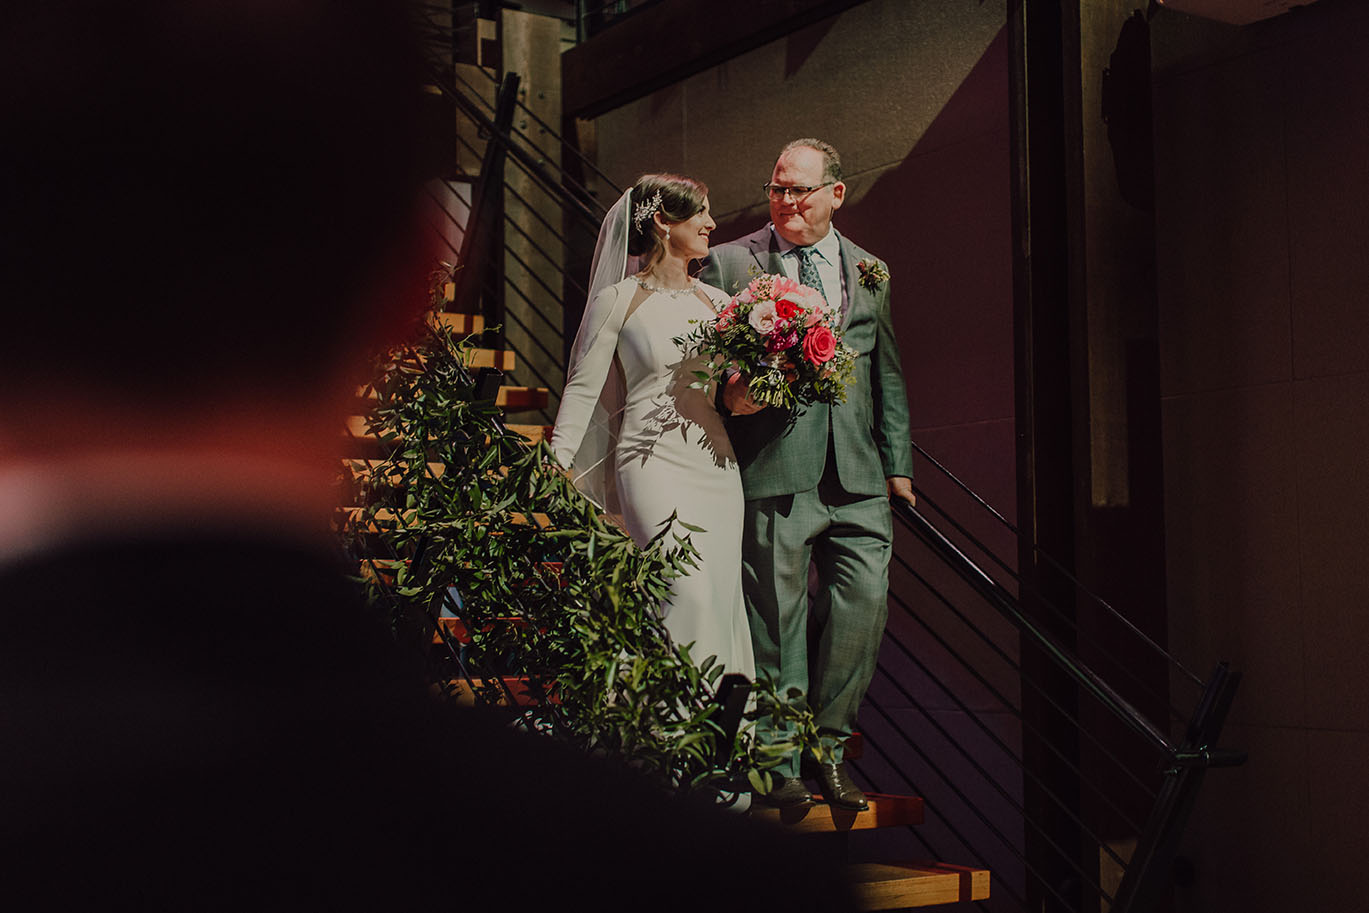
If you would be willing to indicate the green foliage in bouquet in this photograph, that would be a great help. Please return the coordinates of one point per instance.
(554, 599)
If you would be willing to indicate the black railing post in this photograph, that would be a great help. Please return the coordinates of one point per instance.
(1044, 117)
(1148, 875)
(483, 225)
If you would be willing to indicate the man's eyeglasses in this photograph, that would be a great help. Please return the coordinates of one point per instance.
(777, 191)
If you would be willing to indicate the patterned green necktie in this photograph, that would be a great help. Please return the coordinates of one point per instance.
(808, 272)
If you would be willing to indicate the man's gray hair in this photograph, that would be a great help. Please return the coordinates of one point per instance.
(831, 159)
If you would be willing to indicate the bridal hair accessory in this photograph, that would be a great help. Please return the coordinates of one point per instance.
(644, 210)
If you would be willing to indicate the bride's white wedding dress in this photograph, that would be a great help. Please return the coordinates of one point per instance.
(649, 445)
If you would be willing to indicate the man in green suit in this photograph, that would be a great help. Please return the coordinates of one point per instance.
(817, 481)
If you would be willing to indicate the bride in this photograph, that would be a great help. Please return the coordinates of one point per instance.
(638, 439)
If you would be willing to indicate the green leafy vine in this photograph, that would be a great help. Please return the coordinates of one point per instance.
(554, 607)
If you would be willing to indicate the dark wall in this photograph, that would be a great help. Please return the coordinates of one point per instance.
(1261, 186)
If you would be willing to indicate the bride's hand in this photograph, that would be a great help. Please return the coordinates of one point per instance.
(737, 396)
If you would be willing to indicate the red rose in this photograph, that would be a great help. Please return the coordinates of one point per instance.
(786, 309)
(819, 345)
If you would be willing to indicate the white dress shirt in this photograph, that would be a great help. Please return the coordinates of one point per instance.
(827, 257)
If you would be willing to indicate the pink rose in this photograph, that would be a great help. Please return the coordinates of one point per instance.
(819, 345)
(783, 285)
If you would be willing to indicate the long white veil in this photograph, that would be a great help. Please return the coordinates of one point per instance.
(591, 468)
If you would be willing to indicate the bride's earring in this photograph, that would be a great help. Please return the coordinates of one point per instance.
(667, 234)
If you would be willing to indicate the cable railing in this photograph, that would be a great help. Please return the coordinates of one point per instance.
(545, 210)
(1002, 700)
(1056, 565)
(1057, 614)
(551, 131)
(1094, 775)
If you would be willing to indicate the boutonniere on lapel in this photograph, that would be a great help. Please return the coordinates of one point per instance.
(872, 275)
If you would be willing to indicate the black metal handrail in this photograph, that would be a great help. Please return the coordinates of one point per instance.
(1007, 605)
(1041, 692)
(1181, 764)
(1056, 565)
(1056, 612)
(564, 176)
(509, 140)
(553, 134)
(1006, 704)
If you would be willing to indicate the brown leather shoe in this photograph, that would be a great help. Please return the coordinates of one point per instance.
(789, 792)
(838, 788)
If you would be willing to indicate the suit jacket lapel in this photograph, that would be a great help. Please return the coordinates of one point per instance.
(854, 290)
(765, 251)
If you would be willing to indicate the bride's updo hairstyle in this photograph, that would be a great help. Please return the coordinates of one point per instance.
(680, 198)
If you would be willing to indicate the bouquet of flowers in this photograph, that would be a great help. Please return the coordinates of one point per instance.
(783, 337)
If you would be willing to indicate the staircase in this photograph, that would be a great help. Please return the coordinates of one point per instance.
(878, 885)
(476, 309)
(881, 885)
(1073, 786)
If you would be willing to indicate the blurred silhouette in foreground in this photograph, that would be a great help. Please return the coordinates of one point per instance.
(208, 218)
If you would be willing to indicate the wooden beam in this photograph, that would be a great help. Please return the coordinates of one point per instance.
(672, 40)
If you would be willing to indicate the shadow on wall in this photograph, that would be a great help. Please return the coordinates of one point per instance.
(942, 220)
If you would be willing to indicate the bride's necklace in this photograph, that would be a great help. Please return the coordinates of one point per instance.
(672, 292)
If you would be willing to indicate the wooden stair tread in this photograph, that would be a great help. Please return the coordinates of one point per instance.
(522, 398)
(356, 427)
(884, 811)
(385, 515)
(459, 690)
(534, 433)
(363, 468)
(499, 359)
(513, 398)
(884, 886)
(461, 324)
(457, 629)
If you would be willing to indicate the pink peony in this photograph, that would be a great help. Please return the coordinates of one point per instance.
(819, 345)
(763, 317)
(812, 299)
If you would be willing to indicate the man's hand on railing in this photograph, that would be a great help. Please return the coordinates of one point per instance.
(901, 487)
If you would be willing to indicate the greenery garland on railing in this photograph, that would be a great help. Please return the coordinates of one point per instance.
(461, 512)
